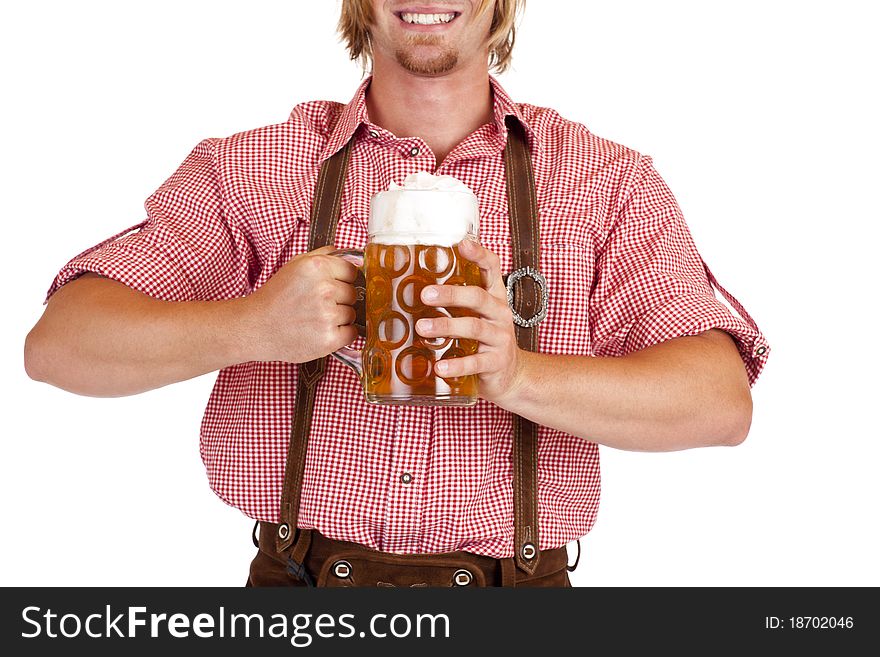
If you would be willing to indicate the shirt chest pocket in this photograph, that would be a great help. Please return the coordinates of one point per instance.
(567, 262)
(291, 238)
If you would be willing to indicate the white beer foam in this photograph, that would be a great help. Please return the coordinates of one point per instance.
(425, 209)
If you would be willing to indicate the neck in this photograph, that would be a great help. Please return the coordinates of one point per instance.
(441, 110)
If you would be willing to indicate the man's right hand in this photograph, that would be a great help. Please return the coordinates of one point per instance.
(304, 311)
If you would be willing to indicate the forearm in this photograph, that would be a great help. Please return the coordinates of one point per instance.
(687, 392)
(100, 338)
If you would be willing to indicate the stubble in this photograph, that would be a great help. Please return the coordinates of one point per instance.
(438, 64)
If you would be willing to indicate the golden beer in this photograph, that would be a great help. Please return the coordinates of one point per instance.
(398, 363)
(414, 232)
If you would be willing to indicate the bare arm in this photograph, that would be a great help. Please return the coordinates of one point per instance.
(686, 392)
(100, 338)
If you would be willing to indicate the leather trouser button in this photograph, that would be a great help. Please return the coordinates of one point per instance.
(342, 569)
(462, 577)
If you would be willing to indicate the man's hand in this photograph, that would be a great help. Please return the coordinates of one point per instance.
(497, 362)
(305, 310)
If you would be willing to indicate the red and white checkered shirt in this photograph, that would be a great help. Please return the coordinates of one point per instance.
(622, 270)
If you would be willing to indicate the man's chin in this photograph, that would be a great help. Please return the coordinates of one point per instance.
(438, 63)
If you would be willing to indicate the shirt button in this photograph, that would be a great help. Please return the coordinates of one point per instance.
(374, 134)
(414, 151)
(406, 478)
(760, 351)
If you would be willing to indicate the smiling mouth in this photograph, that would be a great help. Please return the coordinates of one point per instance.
(427, 19)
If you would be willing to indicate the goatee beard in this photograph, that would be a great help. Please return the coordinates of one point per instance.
(439, 64)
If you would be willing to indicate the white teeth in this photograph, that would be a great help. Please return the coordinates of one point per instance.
(427, 19)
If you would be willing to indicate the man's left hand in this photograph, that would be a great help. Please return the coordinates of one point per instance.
(498, 362)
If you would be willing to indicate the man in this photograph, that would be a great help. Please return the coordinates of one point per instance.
(635, 351)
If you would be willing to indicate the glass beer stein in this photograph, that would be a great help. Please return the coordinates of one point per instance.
(414, 236)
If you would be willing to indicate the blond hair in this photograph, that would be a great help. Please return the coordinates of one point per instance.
(356, 17)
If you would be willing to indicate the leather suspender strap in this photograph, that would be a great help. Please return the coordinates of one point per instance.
(525, 246)
(325, 213)
(523, 211)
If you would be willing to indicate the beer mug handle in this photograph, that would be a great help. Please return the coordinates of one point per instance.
(348, 355)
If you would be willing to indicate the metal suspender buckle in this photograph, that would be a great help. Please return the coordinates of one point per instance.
(541, 284)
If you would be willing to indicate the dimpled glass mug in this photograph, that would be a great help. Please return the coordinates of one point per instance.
(414, 236)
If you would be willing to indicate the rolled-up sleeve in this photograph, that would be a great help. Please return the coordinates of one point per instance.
(652, 285)
(186, 249)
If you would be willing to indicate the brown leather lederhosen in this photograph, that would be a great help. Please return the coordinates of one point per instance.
(291, 556)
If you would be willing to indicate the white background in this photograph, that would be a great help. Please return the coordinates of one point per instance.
(760, 115)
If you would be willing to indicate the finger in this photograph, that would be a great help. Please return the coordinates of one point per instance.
(489, 264)
(344, 293)
(343, 315)
(341, 269)
(345, 335)
(322, 250)
(459, 296)
(450, 368)
(473, 328)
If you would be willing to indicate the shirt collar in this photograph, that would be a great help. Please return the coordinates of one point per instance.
(503, 107)
(355, 113)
